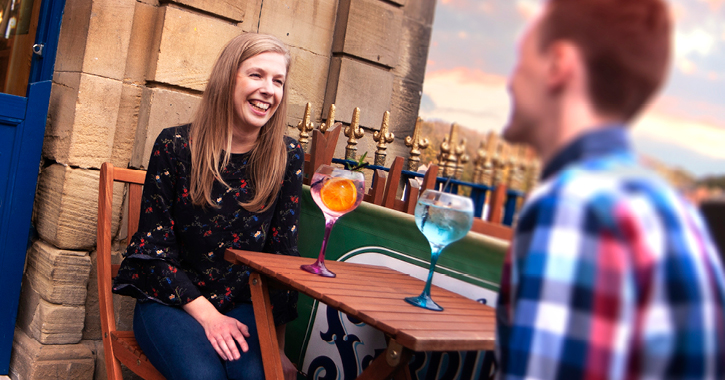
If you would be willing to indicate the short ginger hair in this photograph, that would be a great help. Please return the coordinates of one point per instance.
(625, 45)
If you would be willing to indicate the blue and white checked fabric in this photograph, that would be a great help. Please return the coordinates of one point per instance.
(611, 275)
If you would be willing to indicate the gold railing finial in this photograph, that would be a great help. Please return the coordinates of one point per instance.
(416, 145)
(353, 132)
(517, 176)
(330, 120)
(532, 170)
(305, 126)
(500, 164)
(463, 158)
(383, 137)
(488, 165)
(451, 158)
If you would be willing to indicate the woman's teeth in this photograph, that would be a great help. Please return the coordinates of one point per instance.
(259, 105)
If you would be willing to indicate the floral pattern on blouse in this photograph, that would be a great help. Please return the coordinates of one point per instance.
(177, 254)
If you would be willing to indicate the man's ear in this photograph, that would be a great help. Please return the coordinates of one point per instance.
(563, 65)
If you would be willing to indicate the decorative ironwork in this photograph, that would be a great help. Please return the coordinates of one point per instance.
(463, 158)
(353, 132)
(532, 170)
(330, 120)
(486, 154)
(383, 137)
(517, 162)
(448, 157)
(416, 145)
(479, 162)
(501, 164)
(305, 126)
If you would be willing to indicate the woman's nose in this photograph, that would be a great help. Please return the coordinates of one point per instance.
(267, 87)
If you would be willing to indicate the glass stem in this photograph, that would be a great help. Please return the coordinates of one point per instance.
(329, 222)
(435, 253)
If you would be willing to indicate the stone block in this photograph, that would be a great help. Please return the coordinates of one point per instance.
(60, 276)
(141, 42)
(308, 79)
(233, 10)
(304, 24)
(92, 323)
(368, 29)
(186, 46)
(109, 32)
(351, 84)
(31, 360)
(61, 115)
(125, 134)
(96, 347)
(251, 15)
(73, 36)
(82, 127)
(66, 206)
(46, 322)
(160, 108)
(122, 306)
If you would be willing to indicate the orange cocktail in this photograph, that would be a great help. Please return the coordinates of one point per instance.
(337, 192)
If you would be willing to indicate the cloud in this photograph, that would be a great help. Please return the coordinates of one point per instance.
(472, 98)
(696, 41)
(704, 138)
(528, 8)
(714, 4)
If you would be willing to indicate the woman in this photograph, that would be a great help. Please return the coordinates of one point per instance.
(231, 179)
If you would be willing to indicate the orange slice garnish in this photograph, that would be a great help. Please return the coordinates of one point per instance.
(338, 194)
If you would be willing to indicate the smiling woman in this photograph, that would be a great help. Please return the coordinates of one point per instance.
(231, 179)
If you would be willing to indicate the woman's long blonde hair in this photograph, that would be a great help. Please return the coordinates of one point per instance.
(211, 130)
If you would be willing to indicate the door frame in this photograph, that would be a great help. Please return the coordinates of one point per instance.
(29, 114)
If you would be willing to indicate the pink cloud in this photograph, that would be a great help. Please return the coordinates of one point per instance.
(463, 75)
(714, 4)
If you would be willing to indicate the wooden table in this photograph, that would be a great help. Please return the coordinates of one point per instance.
(373, 295)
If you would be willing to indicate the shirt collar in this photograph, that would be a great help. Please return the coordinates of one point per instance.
(599, 142)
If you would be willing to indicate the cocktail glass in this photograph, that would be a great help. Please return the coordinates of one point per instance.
(442, 218)
(337, 192)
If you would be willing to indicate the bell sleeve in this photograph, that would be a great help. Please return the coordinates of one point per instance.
(151, 267)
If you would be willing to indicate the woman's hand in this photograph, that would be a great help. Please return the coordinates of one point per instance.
(222, 331)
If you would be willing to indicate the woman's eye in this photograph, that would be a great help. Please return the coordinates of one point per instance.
(279, 82)
(255, 75)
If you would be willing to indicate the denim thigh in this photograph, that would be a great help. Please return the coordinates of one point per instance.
(177, 346)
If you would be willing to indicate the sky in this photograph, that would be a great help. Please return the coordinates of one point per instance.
(473, 51)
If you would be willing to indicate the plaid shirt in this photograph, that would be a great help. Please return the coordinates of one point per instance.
(611, 275)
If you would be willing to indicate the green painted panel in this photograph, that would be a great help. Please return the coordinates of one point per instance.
(475, 259)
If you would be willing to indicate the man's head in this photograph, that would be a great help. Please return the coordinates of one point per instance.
(605, 56)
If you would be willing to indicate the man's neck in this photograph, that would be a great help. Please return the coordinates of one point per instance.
(572, 122)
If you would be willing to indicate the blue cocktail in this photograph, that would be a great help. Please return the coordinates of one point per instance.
(442, 218)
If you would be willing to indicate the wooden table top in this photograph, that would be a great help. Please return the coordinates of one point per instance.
(374, 295)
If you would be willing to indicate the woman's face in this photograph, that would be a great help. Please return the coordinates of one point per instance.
(258, 91)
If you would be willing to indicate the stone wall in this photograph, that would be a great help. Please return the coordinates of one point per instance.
(127, 69)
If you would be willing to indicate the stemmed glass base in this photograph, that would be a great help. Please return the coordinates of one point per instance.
(424, 301)
(318, 267)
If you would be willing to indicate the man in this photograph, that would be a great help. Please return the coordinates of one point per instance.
(610, 275)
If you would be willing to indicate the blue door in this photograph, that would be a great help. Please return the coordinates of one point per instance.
(28, 42)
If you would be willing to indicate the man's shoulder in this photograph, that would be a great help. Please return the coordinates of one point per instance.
(608, 193)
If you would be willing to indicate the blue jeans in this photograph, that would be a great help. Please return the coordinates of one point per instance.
(177, 346)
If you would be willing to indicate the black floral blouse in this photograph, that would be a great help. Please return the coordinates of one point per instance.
(177, 254)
